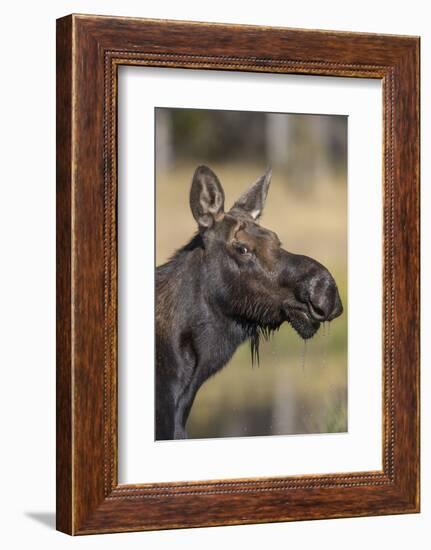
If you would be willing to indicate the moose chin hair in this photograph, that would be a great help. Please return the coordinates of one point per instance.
(303, 325)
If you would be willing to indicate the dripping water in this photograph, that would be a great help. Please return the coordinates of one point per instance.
(304, 355)
(325, 343)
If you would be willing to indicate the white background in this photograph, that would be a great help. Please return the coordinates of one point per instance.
(27, 122)
(142, 459)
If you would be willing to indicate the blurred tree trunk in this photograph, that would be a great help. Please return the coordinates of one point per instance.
(278, 135)
(321, 139)
(164, 148)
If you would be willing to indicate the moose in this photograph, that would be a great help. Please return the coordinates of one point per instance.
(233, 281)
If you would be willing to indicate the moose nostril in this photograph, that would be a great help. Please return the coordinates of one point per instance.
(325, 306)
(317, 311)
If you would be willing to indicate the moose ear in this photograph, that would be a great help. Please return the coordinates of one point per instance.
(252, 201)
(206, 197)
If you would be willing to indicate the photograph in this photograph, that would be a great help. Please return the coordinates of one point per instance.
(251, 273)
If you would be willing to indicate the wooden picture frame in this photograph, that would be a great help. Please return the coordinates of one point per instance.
(89, 51)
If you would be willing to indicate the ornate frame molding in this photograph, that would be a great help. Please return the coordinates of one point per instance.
(90, 49)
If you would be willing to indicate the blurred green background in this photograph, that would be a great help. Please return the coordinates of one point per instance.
(299, 387)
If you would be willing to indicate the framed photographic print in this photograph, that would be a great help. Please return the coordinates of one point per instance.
(237, 274)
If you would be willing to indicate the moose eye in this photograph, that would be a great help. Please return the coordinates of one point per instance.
(242, 249)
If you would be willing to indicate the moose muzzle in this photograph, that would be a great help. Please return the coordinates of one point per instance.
(312, 289)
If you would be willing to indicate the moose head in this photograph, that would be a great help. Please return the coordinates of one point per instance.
(232, 282)
(255, 279)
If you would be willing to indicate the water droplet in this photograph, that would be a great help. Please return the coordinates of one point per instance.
(325, 344)
(304, 355)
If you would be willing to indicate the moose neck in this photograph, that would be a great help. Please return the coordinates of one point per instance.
(188, 282)
(194, 337)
